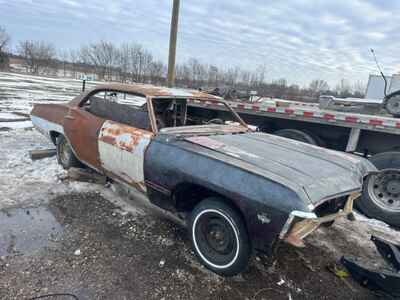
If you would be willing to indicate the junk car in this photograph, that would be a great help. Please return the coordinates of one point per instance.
(238, 190)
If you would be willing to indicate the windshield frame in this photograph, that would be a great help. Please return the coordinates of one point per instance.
(212, 102)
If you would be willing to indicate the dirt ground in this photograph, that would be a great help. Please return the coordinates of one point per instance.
(96, 253)
(96, 242)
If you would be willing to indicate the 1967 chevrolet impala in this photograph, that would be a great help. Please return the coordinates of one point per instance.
(239, 190)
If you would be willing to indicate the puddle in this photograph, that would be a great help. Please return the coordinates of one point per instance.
(23, 231)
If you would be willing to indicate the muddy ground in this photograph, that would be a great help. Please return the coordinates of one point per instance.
(97, 243)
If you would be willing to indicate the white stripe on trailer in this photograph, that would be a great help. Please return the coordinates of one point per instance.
(314, 114)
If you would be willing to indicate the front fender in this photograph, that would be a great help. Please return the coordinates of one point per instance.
(264, 204)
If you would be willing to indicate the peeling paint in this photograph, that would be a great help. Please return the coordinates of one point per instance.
(121, 150)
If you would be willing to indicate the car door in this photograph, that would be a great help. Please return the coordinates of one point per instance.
(82, 130)
(121, 150)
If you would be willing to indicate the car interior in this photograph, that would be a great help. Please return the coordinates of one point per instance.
(132, 110)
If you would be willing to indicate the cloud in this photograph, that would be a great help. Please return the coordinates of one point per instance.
(300, 40)
(71, 3)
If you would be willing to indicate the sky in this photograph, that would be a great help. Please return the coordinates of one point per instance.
(299, 40)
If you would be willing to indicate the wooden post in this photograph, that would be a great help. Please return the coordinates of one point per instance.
(39, 154)
(172, 43)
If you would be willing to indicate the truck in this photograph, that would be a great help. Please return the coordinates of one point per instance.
(375, 136)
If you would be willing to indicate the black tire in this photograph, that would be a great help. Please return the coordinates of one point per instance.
(320, 142)
(65, 156)
(392, 104)
(297, 135)
(376, 202)
(219, 237)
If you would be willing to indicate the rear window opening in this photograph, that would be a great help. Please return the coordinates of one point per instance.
(119, 107)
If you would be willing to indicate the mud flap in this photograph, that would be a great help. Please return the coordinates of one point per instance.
(383, 279)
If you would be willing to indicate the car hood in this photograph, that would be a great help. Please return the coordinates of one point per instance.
(317, 173)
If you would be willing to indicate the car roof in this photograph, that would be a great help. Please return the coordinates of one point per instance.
(147, 90)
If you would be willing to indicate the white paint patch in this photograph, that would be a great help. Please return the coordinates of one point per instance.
(117, 158)
(45, 126)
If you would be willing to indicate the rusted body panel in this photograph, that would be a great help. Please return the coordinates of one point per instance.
(48, 119)
(82, 130)
(156, 92)
(121, 150)
(51, 112)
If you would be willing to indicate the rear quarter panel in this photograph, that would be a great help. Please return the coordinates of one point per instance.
(49, 117)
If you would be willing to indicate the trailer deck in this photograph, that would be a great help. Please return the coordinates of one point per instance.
(309, 112)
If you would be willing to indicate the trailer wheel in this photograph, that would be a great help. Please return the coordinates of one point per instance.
(392, 104)
(296, 135)
(320, 142)
(381, 192)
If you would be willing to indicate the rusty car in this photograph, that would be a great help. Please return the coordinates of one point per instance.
(238, 190)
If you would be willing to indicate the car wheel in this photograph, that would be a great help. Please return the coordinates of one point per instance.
(65, 156)
(219, 237)
(296, 135)
(381, 192)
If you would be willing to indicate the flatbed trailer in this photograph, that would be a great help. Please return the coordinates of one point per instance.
(374, 136)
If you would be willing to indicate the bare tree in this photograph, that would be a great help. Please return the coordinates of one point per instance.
(4, 41)
(317, 86)
(343, 89)
(101, 55)
(63, 56)
(39, 56)
(359, 89)
(73, 57)
(213, 76)
(133, 62)
(157, 72)
(140, 60)
(123, 62)
(259, 75)
(232, 76)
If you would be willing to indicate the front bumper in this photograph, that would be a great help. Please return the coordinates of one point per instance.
(299, 224)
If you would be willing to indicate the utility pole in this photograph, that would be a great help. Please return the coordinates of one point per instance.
(172, 43)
